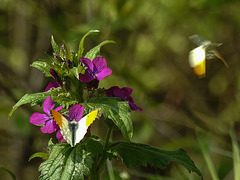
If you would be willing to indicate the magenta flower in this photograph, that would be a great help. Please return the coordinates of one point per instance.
(124, 93)
(50, 125)
(51, 85)
(76, 112)
(56, 77)
(96, 69)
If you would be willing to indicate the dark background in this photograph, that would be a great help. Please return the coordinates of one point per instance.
(151, 57)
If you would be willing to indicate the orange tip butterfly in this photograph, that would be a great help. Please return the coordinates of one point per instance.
(74, 131)
(205, 50)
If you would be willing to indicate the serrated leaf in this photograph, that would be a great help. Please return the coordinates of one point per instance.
(81, 44)
(117, 111)
(94, 52)
(9, 172)
(40, 155)
(66, 163)
(34, 99)
(94, 145)
(55, 47)
(135, 154)
(42, 66)
(60, 99)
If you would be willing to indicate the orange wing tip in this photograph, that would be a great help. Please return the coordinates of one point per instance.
(57, 118)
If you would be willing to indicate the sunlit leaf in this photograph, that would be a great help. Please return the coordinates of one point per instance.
(94, 52)
(81, 44)
(117, 111)
(40, 155)
(77, 70)
(67, 163)
(42, 66)
(59, 98)
(55, 47)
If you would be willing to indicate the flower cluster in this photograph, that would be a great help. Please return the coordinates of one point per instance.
(92, 72)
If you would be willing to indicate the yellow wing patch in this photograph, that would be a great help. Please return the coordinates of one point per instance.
(200, 69)
(91, 117)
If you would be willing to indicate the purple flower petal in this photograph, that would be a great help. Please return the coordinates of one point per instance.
(109, 92)
(76, 112)
(38, 118)
(48, 104)
(126, 91)
(115, 91)
(99, 64)
(51, 85)
(134, 107)
(86, 77)
(49, 127)
(60, 136)
(56, 76)
(103, 73)
(87, 62)
(58, 108)
(53, 73)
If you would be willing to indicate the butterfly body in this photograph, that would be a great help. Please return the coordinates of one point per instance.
(74, 131)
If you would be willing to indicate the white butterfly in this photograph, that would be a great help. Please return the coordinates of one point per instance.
(205, 50)
(73, 132)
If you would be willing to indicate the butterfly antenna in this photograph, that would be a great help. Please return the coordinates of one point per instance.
(220, 57)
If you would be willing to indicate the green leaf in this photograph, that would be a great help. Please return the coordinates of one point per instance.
(134, 154)
(59, 98)
(94, 145)
(55, 47)
(66, 163)
(77, 70)
(81, 44)
(117, 111)
(40, 155)
(34, 99)
(94, 52)
(42, 66)
(9, 172)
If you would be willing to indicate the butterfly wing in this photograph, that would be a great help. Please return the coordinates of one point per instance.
(215, 53)
(197, 60)
(196, 39)
(83, 124)
(63, 123)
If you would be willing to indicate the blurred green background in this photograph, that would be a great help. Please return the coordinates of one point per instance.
(151, 57)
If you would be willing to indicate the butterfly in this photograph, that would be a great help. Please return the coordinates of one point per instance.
(205, 50)
(74, 131)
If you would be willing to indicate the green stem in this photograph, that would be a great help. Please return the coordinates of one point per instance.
(207, 158)
(98, 165)
(103, 158)
(108, 137)
(94, 174)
